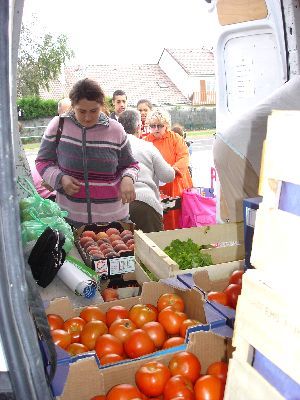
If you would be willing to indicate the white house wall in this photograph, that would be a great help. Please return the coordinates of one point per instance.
(176, 73)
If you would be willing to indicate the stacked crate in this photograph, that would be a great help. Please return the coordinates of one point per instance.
(265, 364)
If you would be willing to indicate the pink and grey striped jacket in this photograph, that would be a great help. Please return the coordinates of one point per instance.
(99, 157)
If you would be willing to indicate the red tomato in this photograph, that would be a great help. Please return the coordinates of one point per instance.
(233, 291)
(236, 277)
(218, 369)
(209, 387)
(186, 364)
(98, 398)
(55, 321)
(93, 313)
(121, 328)
(108, 344)
(219, 297)
(156, 333)
(110, 358)
(138, 344)
(170, 299)
(74, 326)
(187, 324)
(110, 294)
(152, 307)
(152, 377)
(61, 338)
(116, 312)
(91, 331)
(140, 314)
(173, 341)
(124, 392)
(76, 348)
(179, 386)
(171, 320)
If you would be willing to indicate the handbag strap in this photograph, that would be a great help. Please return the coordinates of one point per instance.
(59, 129)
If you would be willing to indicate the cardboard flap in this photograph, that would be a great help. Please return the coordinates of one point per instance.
(178, 282)
(84, 380)
(61, 306)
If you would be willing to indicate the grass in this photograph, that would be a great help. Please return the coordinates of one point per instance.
(206, 132)
(31, 146)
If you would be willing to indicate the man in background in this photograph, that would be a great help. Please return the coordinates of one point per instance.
(119, 101)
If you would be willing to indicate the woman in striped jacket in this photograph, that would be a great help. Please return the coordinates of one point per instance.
(86, 157)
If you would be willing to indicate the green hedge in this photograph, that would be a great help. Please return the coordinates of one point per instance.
(34, 107)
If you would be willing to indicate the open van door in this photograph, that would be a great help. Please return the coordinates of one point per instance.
(22, 374)
(257, 69)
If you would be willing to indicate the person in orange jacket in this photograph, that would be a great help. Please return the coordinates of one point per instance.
(175, 151)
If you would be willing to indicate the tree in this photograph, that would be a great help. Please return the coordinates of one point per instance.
(39, 60)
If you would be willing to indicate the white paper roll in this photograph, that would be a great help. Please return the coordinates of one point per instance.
(77, 280)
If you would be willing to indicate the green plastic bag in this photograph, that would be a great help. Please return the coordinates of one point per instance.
(38, 213)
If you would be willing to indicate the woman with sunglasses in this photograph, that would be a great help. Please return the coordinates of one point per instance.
(175, 151)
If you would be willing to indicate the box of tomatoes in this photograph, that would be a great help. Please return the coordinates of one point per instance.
(108, 249)
(206, 355)
(172, 313)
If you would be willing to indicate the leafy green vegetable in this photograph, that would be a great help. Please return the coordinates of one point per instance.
(187, 254)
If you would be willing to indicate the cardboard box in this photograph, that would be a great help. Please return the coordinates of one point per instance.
(195, 307)
(149, 248)
(110, 266)
(85, 380)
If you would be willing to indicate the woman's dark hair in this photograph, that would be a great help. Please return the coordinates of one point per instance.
(86, 89)
(148, 102)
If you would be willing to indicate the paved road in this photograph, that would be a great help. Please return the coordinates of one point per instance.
(202, 161)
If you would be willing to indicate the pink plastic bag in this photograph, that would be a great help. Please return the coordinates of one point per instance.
(197, 210)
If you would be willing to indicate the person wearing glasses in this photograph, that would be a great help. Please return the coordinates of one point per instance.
(175, 151)
(91, 167)
(146, 210)
(144, 106)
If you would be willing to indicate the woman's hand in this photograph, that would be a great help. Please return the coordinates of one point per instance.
(70, 185)
(127, 190)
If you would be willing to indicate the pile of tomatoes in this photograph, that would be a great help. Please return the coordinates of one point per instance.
(119, 333)
(230, 295)
(181, 379)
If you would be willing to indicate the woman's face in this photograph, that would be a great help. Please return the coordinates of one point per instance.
(87, 112)
(143, 108)
(158, 128)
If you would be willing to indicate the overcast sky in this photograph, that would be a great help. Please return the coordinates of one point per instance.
(125, 32)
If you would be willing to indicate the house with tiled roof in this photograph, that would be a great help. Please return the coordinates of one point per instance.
(157, 82)
(192, 71)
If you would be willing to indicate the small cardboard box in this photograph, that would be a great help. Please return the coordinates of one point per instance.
(85, 380)
(227, 241)
(110, 266)
(213, 279)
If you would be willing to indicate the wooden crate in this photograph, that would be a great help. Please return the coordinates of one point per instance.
(276, 232)
(268, 321)
(149, 247)
(245, 383)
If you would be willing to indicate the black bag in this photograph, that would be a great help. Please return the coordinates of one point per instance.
(47, 256)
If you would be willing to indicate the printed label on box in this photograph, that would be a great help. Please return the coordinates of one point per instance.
(101, 267)
(121, 265)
